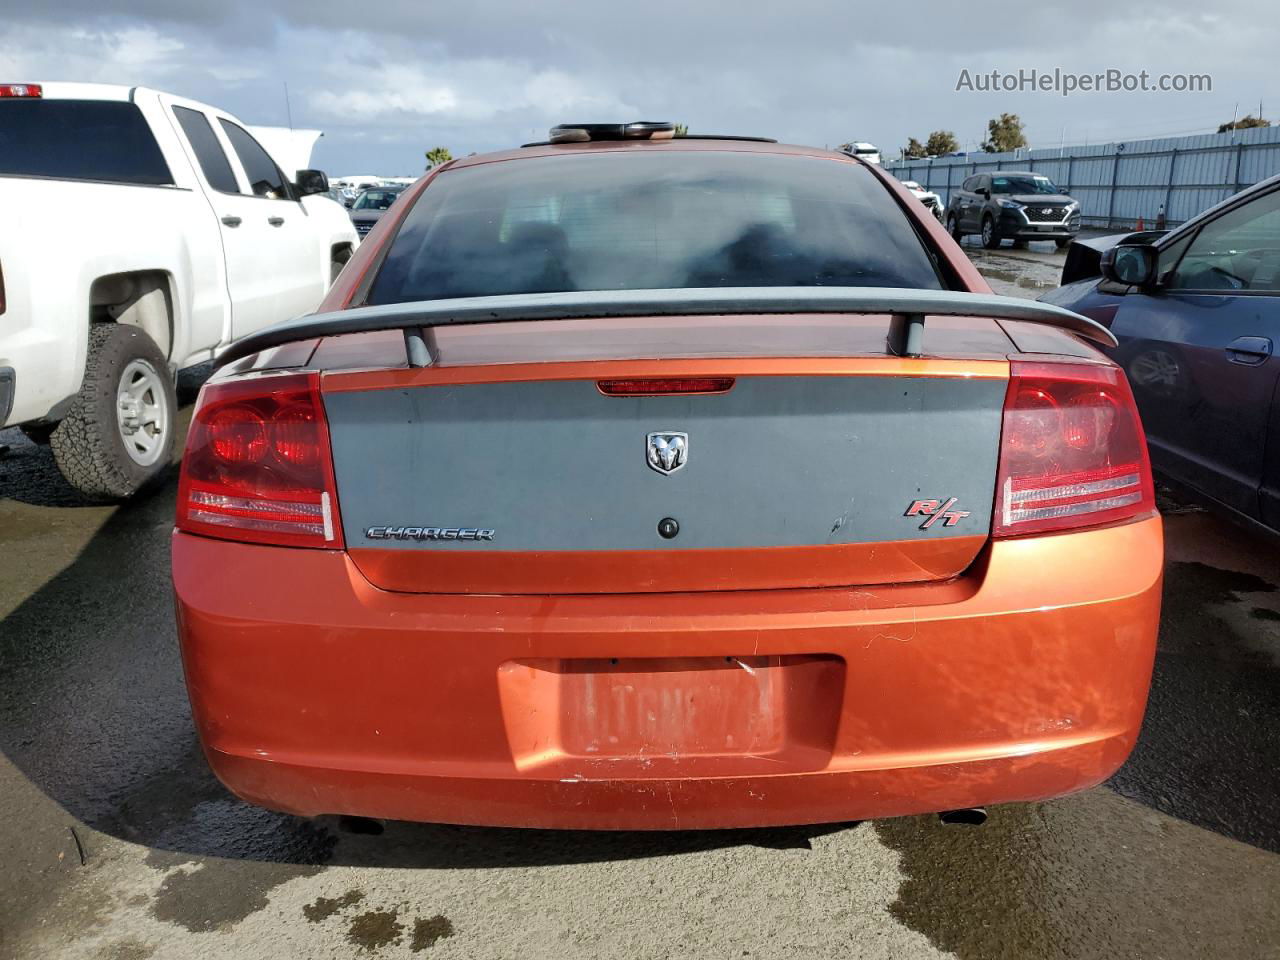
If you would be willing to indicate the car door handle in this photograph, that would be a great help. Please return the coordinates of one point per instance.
(1249, 350)
(232, 221)
(276, 221)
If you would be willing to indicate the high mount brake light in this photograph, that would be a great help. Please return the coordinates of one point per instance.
(1072, 451)
(664, 386)
(21, 90)
(258, 465)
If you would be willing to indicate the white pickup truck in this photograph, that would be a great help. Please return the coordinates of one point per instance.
(140, 233)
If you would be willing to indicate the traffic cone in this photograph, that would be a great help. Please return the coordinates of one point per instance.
(1140, 226)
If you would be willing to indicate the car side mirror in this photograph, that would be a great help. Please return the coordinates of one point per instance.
(1133, 266)
(310, 182)
(984, 192)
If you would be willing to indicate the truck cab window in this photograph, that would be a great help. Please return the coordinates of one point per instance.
(213, 161)
(265, 177)
(47, 138)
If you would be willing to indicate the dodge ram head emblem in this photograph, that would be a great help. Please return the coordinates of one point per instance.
(667, 452)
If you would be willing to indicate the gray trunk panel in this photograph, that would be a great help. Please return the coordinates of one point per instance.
(555, 465)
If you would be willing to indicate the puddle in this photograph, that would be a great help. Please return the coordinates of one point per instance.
(1213, 714)
(1024, 276)
(1016, 276)
(1092, 875)
(973, 891)
(325, 907)
(427, 933)
(220, 893)
(375, 929)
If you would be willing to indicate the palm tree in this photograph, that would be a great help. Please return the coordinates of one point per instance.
(437, 156)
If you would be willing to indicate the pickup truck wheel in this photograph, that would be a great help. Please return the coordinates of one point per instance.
(118, 438)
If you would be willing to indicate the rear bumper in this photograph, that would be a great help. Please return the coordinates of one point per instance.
(314, 692)
(45, 365)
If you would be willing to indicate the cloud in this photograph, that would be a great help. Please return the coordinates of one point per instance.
(136, 47)
(90, 55)
(466, 91)
(404, 76)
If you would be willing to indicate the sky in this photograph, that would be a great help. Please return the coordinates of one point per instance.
(388, 80)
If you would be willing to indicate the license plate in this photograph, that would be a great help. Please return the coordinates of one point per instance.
(671, 707)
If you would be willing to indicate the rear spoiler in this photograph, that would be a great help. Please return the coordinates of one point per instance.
(908, 309)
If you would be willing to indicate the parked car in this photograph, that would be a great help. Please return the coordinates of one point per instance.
(864, 151)
(141, 234)
(1197, 315)
(1012, 205)
(624, 485)
(371, 205)
(930, 199)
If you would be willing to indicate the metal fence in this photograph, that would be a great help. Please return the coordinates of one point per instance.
(1118, 184)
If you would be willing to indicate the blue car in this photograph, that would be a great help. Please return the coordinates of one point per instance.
(1197, 314)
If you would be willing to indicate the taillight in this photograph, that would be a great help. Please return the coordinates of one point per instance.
(258, 466)
(1072, 451)
(24, 90)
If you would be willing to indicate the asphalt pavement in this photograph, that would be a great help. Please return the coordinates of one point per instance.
(118, 844)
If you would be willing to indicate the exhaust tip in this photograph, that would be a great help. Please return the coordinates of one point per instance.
(360, 825)
(969, 817)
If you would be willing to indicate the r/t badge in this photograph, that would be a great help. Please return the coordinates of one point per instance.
(934, 510)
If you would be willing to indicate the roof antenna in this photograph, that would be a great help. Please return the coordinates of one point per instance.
(288, 110)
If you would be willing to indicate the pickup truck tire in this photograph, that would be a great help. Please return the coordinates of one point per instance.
(118, 438)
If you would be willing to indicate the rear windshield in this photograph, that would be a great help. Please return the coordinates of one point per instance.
(79, 140)
(661, 220)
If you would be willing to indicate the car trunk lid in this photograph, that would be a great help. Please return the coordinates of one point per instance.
(527, 478)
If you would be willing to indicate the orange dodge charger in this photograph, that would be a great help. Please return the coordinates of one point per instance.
(636, 482)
